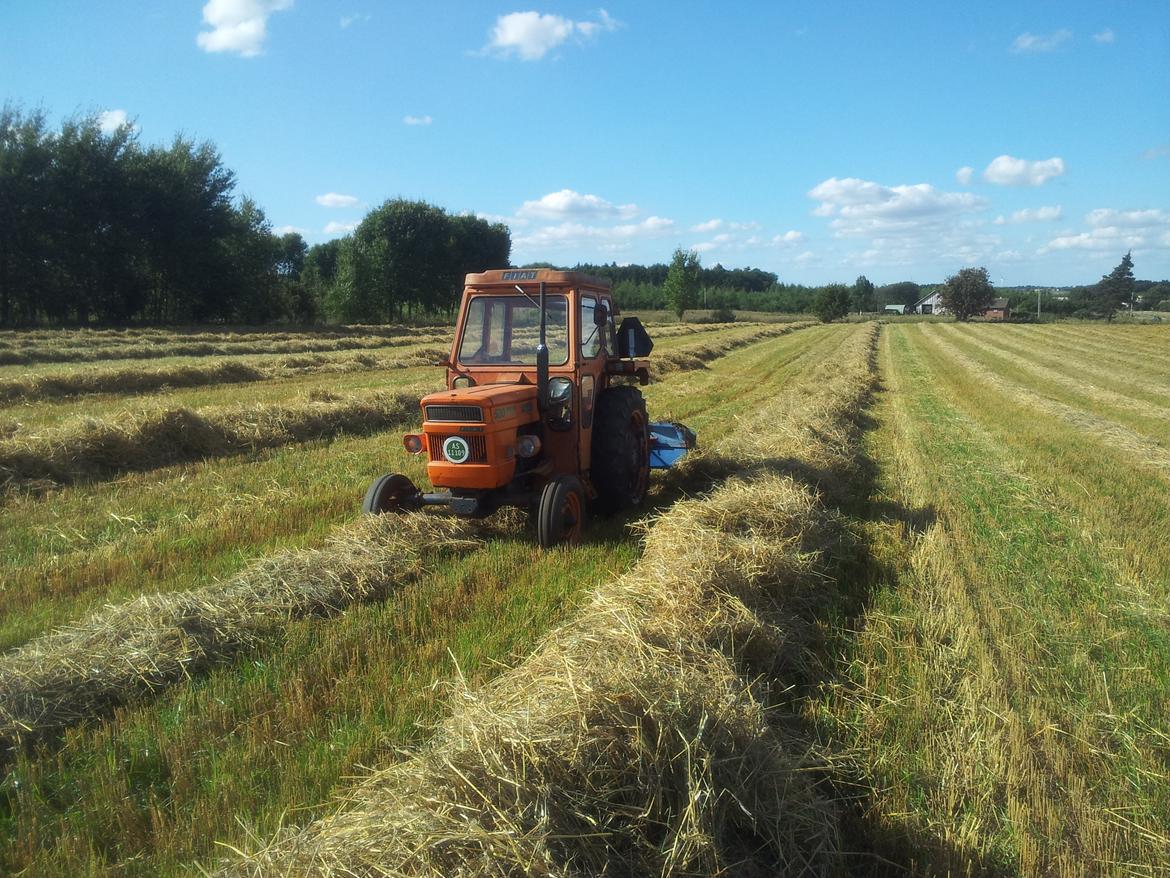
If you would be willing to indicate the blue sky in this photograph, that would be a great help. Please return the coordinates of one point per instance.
(817, 140)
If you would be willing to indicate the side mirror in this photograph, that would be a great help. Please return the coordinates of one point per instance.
(633, 340)
(600, 314)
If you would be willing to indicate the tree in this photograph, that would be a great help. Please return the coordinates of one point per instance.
(902, 293)
(967, 293)
(832, 302)
(862, 292)
(681, 288)
(1115, 290)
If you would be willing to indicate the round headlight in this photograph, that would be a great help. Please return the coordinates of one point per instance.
(528, 446)
(413, 443)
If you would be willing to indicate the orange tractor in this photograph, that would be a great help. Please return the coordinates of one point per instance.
(540, 409)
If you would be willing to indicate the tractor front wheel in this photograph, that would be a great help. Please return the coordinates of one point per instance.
(560, 517)
(392, 493)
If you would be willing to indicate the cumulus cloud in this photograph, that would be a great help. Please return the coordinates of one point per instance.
(1006, 170)
(569, 205)
(576, 234)
(788, 239)
(336, 228)
(1106, 36)
(860, 207)
(1112, 230)
(532, 35)
(417, 120)
(288, 230)
(1031, 215)
(239, 26)
(964, 175)
(334, 199)
(110, 121)
(712, 225)
(1027, 42)
(709, 226)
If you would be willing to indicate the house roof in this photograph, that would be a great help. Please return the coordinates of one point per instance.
(998, 305)
(929, 295)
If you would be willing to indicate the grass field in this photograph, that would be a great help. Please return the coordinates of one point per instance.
(921, 576)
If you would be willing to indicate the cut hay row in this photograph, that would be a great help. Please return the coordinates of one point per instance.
(639, 739)
(1145, 450)
(132, 381)
(131, 650)
(697, 356)
(153, 350)
(91, 449)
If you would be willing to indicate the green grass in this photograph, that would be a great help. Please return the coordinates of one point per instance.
(271, 735)
(1007, 693)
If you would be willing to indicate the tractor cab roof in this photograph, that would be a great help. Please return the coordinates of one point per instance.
(507, 278)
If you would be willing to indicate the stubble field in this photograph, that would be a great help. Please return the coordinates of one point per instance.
(907, 609)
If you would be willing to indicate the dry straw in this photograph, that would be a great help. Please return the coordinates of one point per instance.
(131, 650)
(637, 740)
(697, 356)
(91, 448)
(130, 381)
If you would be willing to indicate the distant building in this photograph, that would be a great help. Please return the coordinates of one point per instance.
(929, 304)
(998, 310)
(895, 309)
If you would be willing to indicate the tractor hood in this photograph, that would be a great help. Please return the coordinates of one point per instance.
(488, 404)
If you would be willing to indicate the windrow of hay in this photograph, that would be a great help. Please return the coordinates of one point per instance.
(130, 381)
(148, 349)
(697, 356)
(641, 738)
(90, 449)
(131, 650)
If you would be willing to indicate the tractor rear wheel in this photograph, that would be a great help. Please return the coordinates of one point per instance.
(392, 493)
(560, 517)
(620, 468)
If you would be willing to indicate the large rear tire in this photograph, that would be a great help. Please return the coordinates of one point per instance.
(620, 467)
(392, 493)
(560, 517)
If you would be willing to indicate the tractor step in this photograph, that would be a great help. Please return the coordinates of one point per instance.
(669, 443)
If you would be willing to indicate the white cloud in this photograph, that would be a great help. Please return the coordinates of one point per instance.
(1117, 230)
(862, 207)
(964, 175)
(574, 235)
(288, 230)
(568, 204)
(110, 121)
(239, 26)
(709, 226)
(417, 120)
(336, 228)
(1031, 215)
(1135, 219)
(333, 199)
(788, 239)
(1106, 36)
(1157, 152)
(1006, 170)
(532, 35)
(1027, 42)
(356, 18)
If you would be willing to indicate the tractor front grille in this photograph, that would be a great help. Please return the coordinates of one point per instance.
(458, 414)
(477, 444)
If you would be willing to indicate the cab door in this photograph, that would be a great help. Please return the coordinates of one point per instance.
(593, 344)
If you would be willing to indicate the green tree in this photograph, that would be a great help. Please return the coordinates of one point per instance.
(832, 302)
(967, 293)
(681, 287)
(1116, 289)
(863, 294)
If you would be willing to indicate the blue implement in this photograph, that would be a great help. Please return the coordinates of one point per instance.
(669, 443)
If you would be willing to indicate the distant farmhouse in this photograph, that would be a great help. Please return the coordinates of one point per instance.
(999, 309)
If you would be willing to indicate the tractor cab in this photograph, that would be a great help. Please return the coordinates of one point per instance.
(541, 408)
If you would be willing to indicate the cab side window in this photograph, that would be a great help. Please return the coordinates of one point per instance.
(591, 334)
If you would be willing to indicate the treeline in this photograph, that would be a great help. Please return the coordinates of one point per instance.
(405, 259)
(96, 227)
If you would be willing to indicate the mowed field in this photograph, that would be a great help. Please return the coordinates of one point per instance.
(907, 609)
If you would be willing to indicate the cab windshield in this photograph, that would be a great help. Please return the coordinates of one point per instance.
(504, 331)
